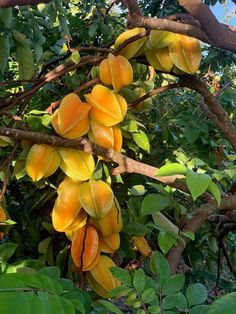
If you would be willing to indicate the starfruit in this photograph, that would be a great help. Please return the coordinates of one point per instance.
(100, 277)
(161, 39)
(112, 222)
(3, 217)
(108, 108)
(4, 141)
(185, 52)
(79, 221)
(42, 161)
(108, 137)
(160, 59)
(116, 71)
(142, 245)
(77, 165)
(110, 243)
(85, 248)
(96, 198)
(71, 120)
(133, 49)
(67, 205)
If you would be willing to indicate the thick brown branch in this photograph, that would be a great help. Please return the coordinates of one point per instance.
(200, 216)
(125, 164)
(12, 3)
(216, 113)
(219, 35)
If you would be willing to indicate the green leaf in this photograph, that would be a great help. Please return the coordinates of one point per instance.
(6, 16)
(139, 280)
(170, 301)
(189, 234)
(149, 295)
(164, 223)
(225, 304)
(135, 228)
(4, 52)
(201, 309)
(197, 183)
(159, 266)
(120, 291)
(142, 140)
(129, 125)
(24, 55)
(171, 169)
(166, 240)
(93, 29)
(36, 306)
(173, 284)
(138, 190)
(12, 302)
(110, 306)
(75, 57)
(122, 275)
(6, 251)
(215, 191)
(153, 203)
(4, 141)
(196, 294)
(154, 309)
(51, 303)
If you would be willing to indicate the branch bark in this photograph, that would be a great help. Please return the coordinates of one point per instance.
(12, 3)
(198, 219)
(210, 31)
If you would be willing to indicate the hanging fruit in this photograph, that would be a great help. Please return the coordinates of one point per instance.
(116, 71)
(108, 108)
(42, 161)
(71, 120)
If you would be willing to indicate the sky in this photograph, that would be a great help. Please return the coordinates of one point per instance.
(225, 13)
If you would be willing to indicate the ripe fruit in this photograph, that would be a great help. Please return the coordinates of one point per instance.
(142, 245)
(96, 198)
(77, 165)
(85, 248)
(108, 108)
(160, 59)
(116, 71)
(110, 243)
(112, 222)
(185, 52)
(108, 137)
(101, 279)
(67, 205)
(42, 161)
(71, 119)
(133, 49)
(161, 39)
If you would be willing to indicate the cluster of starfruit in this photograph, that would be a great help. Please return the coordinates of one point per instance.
(165, 51)
(86, 209)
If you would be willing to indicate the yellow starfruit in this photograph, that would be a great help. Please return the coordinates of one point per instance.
(79, 221)
(116, 71)
(185, 52)
(110, 243)
(96, 198)
(42, 161)
(112, 222)
(85, 248)
(108, 137)
(108, 108)
(100, 277)
(160, 59)
(67, 205)
(135, 48)
(161, 39)
(77, 165)
(71, 120)
(142, 245)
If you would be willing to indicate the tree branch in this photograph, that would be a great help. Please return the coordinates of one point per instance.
(210, 30)
(200, 216)
(12, 3)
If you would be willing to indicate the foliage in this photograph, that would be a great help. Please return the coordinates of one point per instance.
(170, 131)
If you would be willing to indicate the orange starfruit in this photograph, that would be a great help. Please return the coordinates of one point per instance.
(110, 243)
(96, 198)
(108, 137)
(42, 161)
(116, 71)
(85, 248)
(108, 108)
